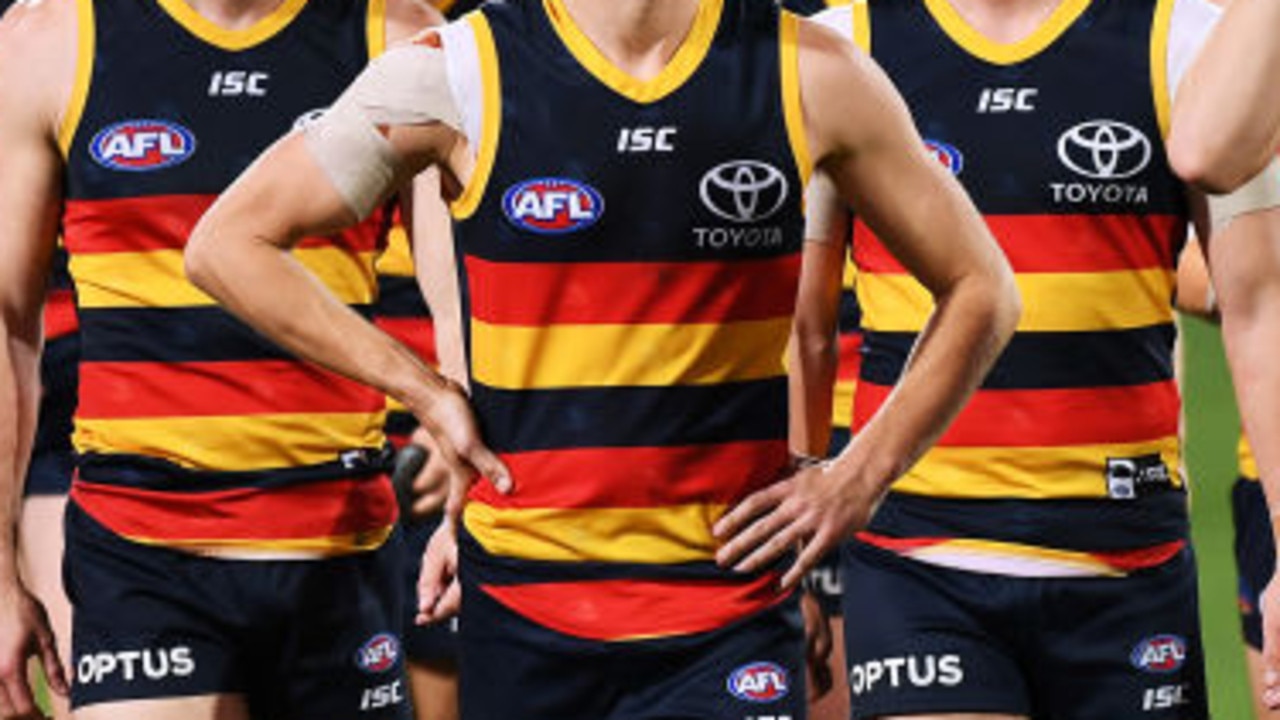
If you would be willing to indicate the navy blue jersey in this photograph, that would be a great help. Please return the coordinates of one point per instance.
(629, 255)
(182, 406)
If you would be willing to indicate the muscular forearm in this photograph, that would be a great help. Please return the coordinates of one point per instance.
(19, 398)
(1226, 117)
(811, 376)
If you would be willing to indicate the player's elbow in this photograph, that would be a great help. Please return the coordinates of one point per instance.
(202, 258)
(1003, 302)
(1209, 163)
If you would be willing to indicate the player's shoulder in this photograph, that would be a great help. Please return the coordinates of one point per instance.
(39, 50)
(838, 18)
(408, 18)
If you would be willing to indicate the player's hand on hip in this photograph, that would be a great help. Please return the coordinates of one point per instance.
(430, 487)
(25, 632)
(811, 511)
(1270, 602)
(439, 593)
(452, 425)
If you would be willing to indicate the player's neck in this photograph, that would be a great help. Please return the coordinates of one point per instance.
(233, 14)
(1005, 21)
(638, 36)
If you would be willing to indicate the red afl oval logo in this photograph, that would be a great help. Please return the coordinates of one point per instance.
(379, 654)
(759, 682)
(142, 145)
(552, 206)
(1160, 654)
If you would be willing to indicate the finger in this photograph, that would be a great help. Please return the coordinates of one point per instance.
(430, 503)
(772, 548)
(491, 467)
(754, 505)
(751, 537)
(21, 702)
(450, 602)
(54, 672)
(808, 558)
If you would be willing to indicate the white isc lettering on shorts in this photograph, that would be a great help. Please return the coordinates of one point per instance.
(381, 696)
(1165, 697)
(910, 671)
(131, 665)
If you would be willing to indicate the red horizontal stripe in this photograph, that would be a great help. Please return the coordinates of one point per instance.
(418, 334)
(649, 292)
(850, 362)
(311, 510)
(164, 222)
(60, 314)
(626, 609)
(1048, 418)
(141, 390)
(638, 477)
(1059, 243)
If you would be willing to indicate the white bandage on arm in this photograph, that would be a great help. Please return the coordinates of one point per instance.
(1260, 193)
(405, 86)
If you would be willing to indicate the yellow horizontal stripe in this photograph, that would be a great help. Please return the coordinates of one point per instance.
(292, 549)
(505, 356)
(1031, 473)
(237, 442)
(1013, 559)
(397, 259)
(157, 278)
(1062, 302)
(1248, 463)
(660, 535)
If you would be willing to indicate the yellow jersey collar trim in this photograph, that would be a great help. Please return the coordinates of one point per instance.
(682, 65)
(976, 44)
(232, 40)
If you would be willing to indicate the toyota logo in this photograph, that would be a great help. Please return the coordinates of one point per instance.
(1105, 150)
(743, 191)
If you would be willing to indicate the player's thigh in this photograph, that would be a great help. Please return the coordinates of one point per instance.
(434, 689)
(1253, 660)
(835, 704)
(200, 707)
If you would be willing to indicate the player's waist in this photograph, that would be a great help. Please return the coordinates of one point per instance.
(1046, 538)
(329, 509)
(619, 601)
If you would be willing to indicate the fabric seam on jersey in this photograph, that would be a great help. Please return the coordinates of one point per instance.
(491, 123)
(232, 40)
(975, 43)
(682, 65)
(376, 27)
(1160, 90)
(86, 40)
(792, 102)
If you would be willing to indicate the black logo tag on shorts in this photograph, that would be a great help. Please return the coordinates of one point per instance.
(1128, 478)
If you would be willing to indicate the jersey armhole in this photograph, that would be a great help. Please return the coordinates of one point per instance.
(375, 28)
(792, 106)
(1161, 91)
(860, 19)
(474, 78)
(86, 37)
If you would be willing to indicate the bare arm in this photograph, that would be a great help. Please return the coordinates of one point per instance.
(863, 138)
(239, 254)
(1226, 116)
(36, 67)
(814, 347)
(434, 264)
(1244, 262)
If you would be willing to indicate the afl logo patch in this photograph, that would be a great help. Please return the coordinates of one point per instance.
(1160, 654)
(759, 682)
(743, 191)
(949, 155)
(379, 654)
(552, 206)
(142, 145)
(1104, 150)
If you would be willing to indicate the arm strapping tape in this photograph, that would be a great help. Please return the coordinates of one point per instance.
(1260, 193)
(405, 86)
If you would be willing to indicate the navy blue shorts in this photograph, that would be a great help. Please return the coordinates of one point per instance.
(52, 457)
(934, 640)
(511, 668)
(437, 643)
(1255, 554)
(301, 640)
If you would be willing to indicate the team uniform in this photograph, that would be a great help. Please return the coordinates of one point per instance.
(629, 263)
(1036, 561)
(1254, 548)
(230, 528)
(52, 456)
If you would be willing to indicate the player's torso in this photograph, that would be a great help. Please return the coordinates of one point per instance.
(630, 274)
(176, 393)
(1058, 140)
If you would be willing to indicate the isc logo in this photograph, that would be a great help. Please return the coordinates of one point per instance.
(379, 654)
(759, 682)
(552, 206)
(381, 696)
(142, 145)
(1007, 99)
(234, 83)
(647, 139)
(1159, 654)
